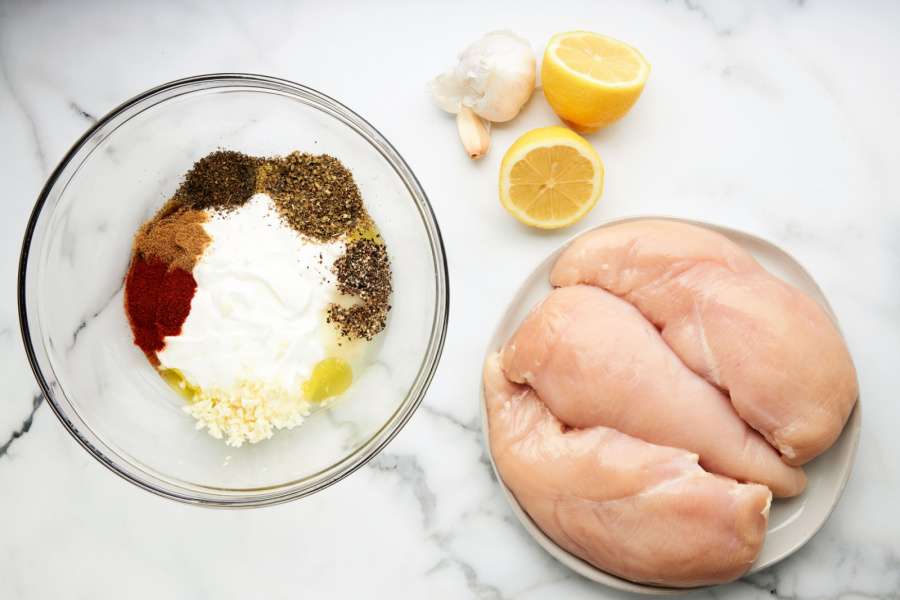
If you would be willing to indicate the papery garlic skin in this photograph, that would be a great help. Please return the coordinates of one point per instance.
(494, 77)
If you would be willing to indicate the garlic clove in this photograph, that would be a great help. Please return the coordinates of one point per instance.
(474, 132)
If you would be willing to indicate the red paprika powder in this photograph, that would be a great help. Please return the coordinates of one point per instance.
(157, 302)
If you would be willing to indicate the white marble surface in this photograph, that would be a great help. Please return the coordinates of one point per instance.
(780, 118)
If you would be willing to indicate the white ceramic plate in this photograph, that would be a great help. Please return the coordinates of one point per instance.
(792, 522)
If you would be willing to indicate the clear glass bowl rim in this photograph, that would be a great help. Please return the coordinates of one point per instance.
(212, 497)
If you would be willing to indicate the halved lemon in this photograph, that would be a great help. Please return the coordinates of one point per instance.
(550, 177)
(591, 80)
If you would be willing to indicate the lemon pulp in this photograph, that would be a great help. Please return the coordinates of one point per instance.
(330, 377)
(550, 177)
(600, 58)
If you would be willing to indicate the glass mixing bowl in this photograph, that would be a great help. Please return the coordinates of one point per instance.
(76, 252)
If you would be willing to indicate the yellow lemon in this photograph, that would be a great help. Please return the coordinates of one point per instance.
(550, 177)
(591, 80)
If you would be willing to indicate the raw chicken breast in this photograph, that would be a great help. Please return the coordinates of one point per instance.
(643, 512)
(771, 347)
(595, 360)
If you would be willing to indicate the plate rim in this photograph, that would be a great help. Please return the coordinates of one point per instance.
(851, 428)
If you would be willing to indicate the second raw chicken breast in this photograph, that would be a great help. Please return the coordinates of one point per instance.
(595, 360)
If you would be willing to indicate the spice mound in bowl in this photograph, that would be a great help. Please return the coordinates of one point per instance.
(257, 290)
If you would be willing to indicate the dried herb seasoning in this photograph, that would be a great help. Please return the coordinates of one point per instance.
(314, 193)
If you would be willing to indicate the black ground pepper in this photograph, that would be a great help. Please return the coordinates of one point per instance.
(221, 180)
(364, 272)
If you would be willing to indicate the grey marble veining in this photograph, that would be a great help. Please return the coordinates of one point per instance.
(776, 117)
(25, 427)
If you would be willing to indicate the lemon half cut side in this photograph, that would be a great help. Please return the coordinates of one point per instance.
(550, 178)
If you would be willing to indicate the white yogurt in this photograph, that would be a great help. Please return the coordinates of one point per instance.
(257, 314)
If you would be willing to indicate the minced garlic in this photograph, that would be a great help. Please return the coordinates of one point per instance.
(248, 412)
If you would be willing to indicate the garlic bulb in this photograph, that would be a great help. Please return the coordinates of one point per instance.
(492, 80)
